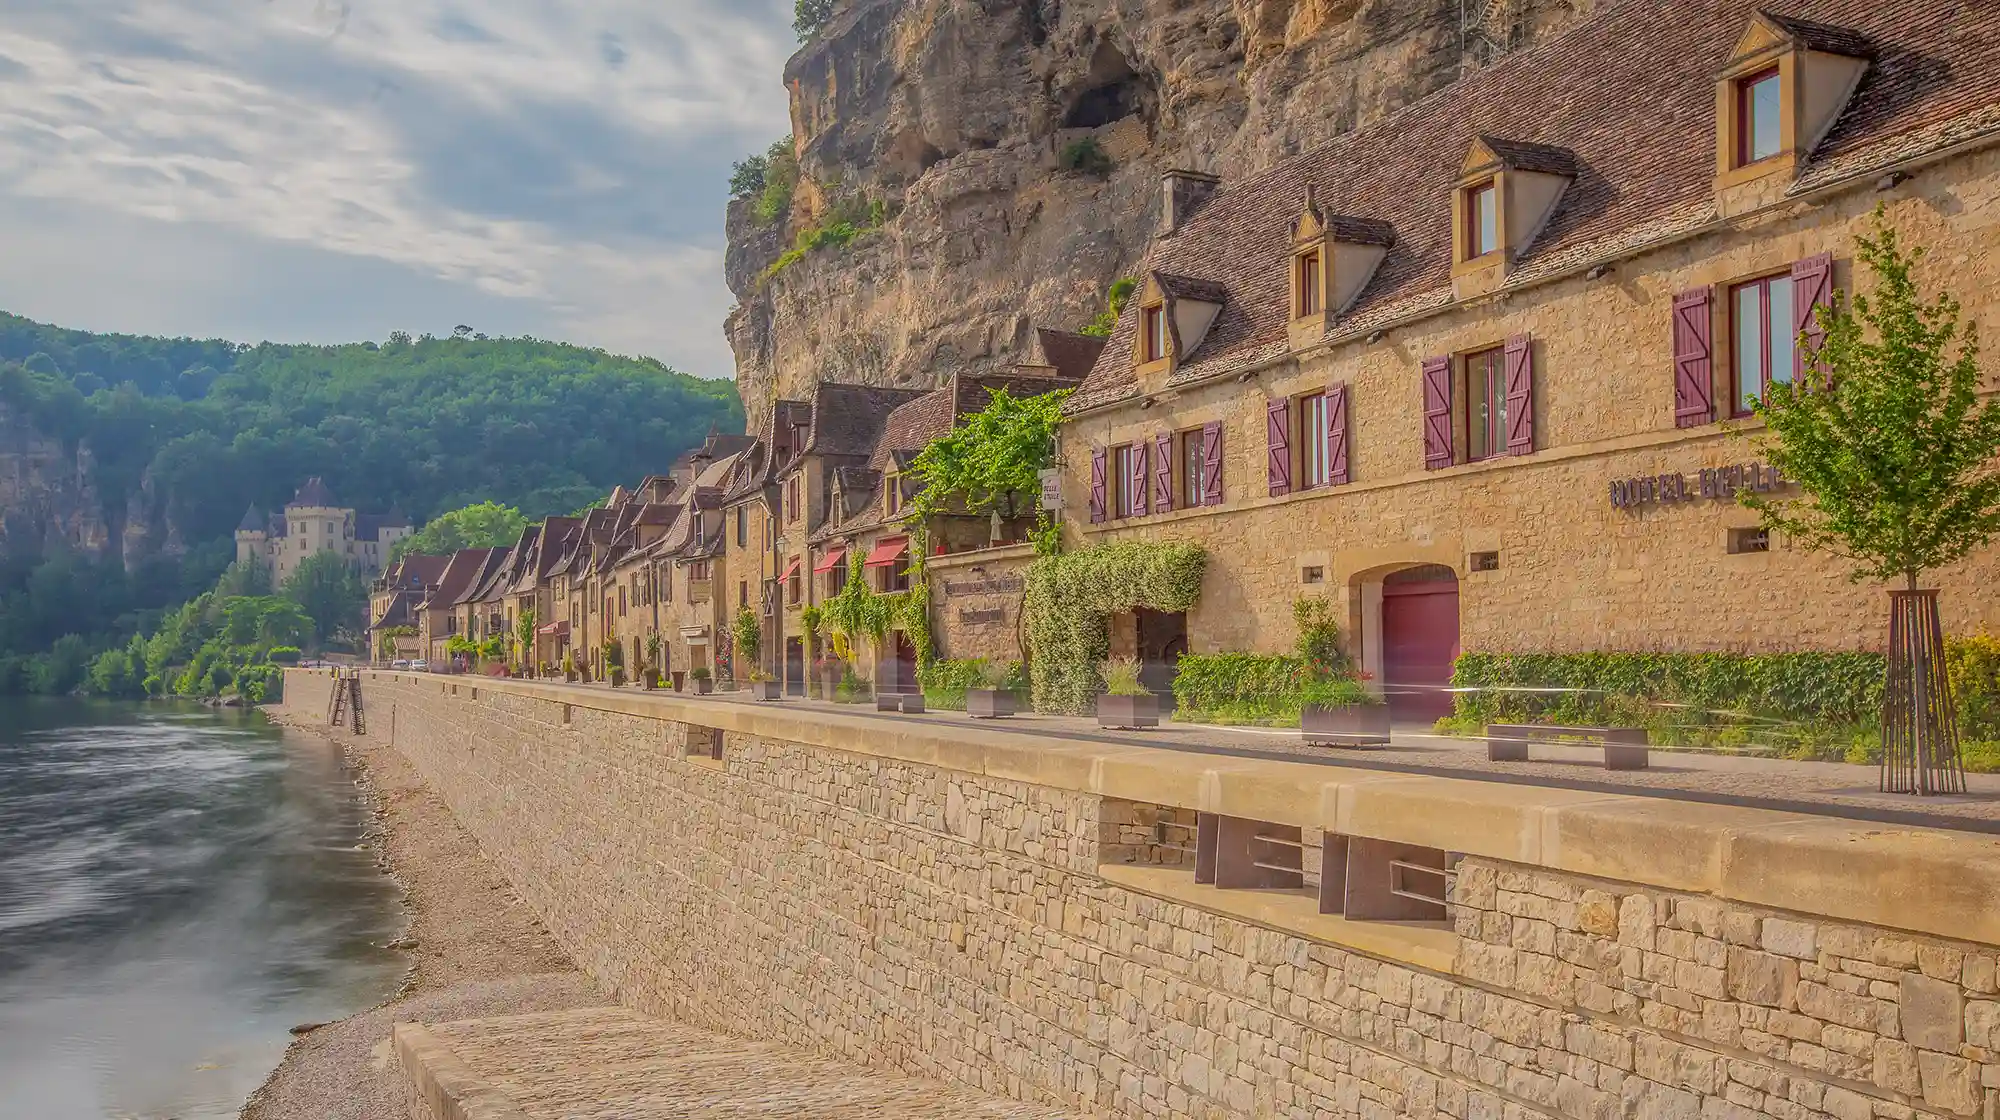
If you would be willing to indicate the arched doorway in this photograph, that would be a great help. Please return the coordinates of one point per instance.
(1419, 640)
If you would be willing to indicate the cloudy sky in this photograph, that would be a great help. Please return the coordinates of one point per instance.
(333, 170)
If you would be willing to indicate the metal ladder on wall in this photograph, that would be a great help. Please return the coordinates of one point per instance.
(346, 691)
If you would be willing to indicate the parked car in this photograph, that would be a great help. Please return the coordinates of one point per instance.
(400, 663)
(420, 665)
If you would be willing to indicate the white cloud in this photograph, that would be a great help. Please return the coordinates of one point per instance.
(564, 156)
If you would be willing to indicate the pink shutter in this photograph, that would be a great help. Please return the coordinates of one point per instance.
(1520, 357)
(1812, 287)
(1097, 485)
(1136, 481)
(1163, 472)
(1336, 434)
(1694, 359)
(1278, 435)
(1438, 451)
(1211, 464)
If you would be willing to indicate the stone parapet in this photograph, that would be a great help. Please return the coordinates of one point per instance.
(1016, 915)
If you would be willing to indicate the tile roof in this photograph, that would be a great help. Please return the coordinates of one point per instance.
(418, 569)
(369, 526)
(314, 494)
(254, 520)
(848, 419)
(1070, 354)
(1630, 93)
(464, 567)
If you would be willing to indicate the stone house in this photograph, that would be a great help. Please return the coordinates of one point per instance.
(394, 599)
(1479, 371)
(439, 617)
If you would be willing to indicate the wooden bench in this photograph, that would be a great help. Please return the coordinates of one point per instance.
(1624, 747)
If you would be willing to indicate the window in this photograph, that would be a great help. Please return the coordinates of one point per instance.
(1315, 453)
(1153, 328)
(792, 498)
(895, 577)
(1125, 502)
(1482, 219)
(1486, 403)
(698, 570)
(621, 602)
(796, 587)
(1314, 574)
(1306, 284)
(1762, 337)
(1757, 115)
(1194, 468)
(1485, 562)
(892, 493)
(742, 527)
(742, 593)
(836, 578)
(1748, 540)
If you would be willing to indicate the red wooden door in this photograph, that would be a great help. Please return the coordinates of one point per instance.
(1419, 645)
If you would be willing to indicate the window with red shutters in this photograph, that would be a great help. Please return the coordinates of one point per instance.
(1485, 404)
(1520, 414)
(1136, 480)
(1438, 449)
(1314, 462)
(1278, 433)
(1812, 288)
(1763, 328)
(1336, 435)
(1211, 478)
(1694, 359)
(1194, 468)
(1098, 486)
(1163, 472)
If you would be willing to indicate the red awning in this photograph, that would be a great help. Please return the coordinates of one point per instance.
(555, 629)
(791, 570)
(827, 562)
(888, 552)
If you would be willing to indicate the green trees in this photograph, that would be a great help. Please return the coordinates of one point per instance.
(808, 16)
(993, 456)
(328, 593)
(768, 180)
(484, 525)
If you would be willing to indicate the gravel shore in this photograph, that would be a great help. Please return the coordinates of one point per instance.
(474, 947)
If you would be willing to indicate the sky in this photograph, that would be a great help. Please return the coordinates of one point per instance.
(333, 170)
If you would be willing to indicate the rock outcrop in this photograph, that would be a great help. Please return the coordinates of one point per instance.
(49, 499)
(956, 114)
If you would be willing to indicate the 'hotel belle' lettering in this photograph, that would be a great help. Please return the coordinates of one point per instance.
(1710, 482)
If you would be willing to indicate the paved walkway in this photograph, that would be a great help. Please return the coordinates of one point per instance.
(1822, 788)
(604, 1062)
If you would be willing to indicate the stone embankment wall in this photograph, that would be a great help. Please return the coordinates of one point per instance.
(999, 910)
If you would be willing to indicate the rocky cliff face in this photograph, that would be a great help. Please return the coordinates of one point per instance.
(956, 113)
(48, 500)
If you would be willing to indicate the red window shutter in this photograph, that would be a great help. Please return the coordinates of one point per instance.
(1336, 434)
(1136, 479)
(1163, 472)
(1520, 356)
(1694, 359)
(1438, 451)
(1211, 464)
(1278, 430)
(1812, 287)
(1097, 485)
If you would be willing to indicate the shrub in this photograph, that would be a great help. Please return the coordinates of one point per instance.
(1121, 677)
(1071, 597)
(779, 182)
(1115, 300)
(1084, 156)
(1239, 688)
(1319, 638)
(944, 682)
(1974, 666)
(700, 673)
(749, 635)
(284, 655)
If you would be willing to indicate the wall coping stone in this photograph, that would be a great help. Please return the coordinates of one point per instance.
(1936, 881)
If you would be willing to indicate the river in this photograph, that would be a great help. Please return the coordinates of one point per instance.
(178, 888)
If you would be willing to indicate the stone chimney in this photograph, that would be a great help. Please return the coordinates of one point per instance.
(1181, 194)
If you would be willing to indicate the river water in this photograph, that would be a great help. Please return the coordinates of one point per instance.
(178, 887)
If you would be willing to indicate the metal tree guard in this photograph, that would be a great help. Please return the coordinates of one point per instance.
(1919, 722)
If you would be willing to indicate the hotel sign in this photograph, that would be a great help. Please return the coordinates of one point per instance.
(1008, 584)
(1708, 483)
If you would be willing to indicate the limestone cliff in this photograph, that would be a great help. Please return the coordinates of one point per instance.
(955, 114)
(49, 499)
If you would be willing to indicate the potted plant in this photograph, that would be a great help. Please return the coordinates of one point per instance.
(704, 681)
(569, 668)
(1340, 711)
(680, 680)
(763, 687)
(648, 679)
(1126, 702)
(995, 698)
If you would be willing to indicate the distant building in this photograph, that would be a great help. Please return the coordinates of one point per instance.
(313, 522)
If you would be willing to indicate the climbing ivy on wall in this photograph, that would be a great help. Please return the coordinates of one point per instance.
(858, 611)
(1070, 600)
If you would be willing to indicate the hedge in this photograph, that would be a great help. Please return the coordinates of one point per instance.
(1799, 704)
(1240, 688)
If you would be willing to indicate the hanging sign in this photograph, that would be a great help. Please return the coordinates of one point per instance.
(1052, 489)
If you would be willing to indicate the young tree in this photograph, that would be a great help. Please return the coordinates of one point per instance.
(992, 456)
(328, 591)
(1898, 459)
(485, 525)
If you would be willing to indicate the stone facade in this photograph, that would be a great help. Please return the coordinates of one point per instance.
(311, 523)
(1008, 919)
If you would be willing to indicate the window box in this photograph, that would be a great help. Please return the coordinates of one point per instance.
(989, 703)
(1128, 712)
(1347, 725)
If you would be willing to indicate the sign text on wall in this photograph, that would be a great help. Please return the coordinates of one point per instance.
(1008, 584)
(1709, 482)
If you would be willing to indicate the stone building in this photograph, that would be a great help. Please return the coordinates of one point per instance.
(1479, 372)
(314, 522)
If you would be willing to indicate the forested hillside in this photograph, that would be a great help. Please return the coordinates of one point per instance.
(126, 461)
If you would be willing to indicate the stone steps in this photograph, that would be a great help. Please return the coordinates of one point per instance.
(600, 1063)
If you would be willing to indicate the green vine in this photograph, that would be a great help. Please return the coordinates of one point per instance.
(856, 612)
(749, 635)
(1069, 602)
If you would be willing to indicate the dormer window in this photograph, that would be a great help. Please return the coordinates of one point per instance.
(1482, 219)
(1153, 333)
(1758, 116)
(892, 494)
(1306, 282)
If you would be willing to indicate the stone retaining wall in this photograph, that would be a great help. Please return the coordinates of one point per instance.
(920, 915)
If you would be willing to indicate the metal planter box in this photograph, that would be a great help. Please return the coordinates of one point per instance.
(1349, 725)
(767, 690)
(1128, 711)
(988, 703)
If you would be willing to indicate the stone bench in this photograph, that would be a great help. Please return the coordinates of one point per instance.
(1624, 747)
(911, 703)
